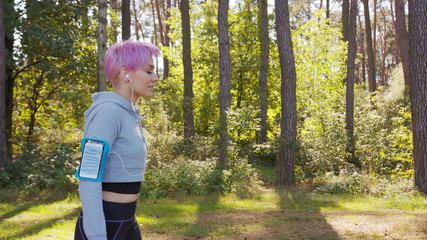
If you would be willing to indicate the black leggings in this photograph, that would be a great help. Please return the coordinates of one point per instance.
(120, 221)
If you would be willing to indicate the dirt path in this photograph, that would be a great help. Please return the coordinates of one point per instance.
(307, 224)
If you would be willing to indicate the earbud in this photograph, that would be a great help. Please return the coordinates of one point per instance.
(127, 76)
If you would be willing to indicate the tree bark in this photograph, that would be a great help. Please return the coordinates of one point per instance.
(135, 19)
(349, 117)
(265, 53)
(125, 20)
(3, 139)
(102, 44)
(10, 71)
(345, 18)
(188, 71)
(374, 32)
(167, 41)
(224, 80)
(286, 162)
(402, 39)
(418, 84)
(113, 4)
(370, 51)
(362, 49)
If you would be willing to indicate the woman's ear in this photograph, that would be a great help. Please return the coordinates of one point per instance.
(124, 75)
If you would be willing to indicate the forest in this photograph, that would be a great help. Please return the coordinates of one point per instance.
(298, 104)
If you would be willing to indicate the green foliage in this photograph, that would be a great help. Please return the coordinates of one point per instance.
(384, 136)
(37, 169)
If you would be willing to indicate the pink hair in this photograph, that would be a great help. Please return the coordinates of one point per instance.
(130, 55)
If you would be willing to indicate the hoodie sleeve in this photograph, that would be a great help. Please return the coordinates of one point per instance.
(102, 123)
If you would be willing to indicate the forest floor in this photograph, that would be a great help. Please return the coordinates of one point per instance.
(268, 214)
(271, 214)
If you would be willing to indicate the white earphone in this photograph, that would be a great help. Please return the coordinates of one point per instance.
(131, 101)
(127, 76)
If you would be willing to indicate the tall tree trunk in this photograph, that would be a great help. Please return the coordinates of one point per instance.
(402, 39)
(384, 52)
(10, 70)
(374, 32)
(167, 40)
(345, 18)
(188, 71)
(265, 53)
(125, 20)
(113, 4)
(285, 174)
(349, 116)
(102, 44)
(362, 48)
(135, 19)
(327, 9)
(394, 26)
(371, 60)
(418, 84)
(3, 139)
(224, 80)
(155, 29)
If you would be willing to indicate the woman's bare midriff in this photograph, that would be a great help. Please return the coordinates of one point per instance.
(119, 197)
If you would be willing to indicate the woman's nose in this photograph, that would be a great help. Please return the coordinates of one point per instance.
(155, 78)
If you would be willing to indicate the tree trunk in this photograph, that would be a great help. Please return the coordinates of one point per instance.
(167, 41)
(402, 39)
(102, 44)
(362, 48)
(371, 60)
(113, 4)
(374, 32)
(286, 162)
(3, 139)
(188, 71)
(349, 116)
(224, 80)
(135, 19)
(394, 26)
(345, 18)
(125, 20)
(154, 23)
(10, 71)
(418, 84)
(265, 53)
(327, 9)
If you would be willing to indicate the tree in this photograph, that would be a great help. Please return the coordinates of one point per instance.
(188, 71)
(265, 52)
(3, 139)
(350, 83)
(224, 80)
(402, 40)
(418, 84)
(286, 161)
(345, 18)
(125, 20)
(113, 4)
(11, 71)
(370, 51)
(102, 44)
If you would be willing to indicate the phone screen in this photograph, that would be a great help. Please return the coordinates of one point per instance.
(91, 159)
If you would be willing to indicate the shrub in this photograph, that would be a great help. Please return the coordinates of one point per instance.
(35, 170)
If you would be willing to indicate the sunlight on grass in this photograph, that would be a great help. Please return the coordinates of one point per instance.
(219, 216)
(38, 220)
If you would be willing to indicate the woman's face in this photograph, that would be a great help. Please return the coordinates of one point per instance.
(144, 80)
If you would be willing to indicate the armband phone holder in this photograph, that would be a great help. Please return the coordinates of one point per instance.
(94, 156)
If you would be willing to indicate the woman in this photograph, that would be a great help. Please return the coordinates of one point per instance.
(108, 207)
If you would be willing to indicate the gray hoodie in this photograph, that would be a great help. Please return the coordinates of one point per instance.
(111, 118)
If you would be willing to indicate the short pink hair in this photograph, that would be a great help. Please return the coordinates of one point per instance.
(130, 55)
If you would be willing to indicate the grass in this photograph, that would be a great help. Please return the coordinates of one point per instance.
(269, 214)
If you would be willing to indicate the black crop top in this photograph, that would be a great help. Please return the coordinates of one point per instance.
(124, 187)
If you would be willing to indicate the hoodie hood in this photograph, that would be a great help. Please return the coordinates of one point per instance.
(108, 96)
